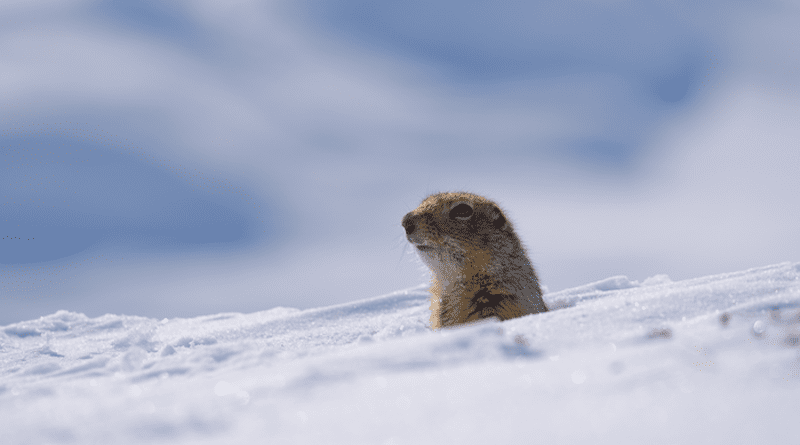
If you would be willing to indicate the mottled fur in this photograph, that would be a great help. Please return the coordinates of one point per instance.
(480, 269)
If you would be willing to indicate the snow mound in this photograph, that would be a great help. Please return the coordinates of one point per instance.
(713, 359)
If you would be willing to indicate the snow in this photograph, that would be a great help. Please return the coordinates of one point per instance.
(708, 360)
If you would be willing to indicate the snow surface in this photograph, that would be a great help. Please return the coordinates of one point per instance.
(707, 360)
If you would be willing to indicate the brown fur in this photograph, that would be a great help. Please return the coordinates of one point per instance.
(480, 269)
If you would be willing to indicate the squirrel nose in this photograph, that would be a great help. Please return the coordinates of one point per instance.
(408, 224)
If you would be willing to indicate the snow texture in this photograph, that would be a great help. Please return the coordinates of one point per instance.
(707, 360)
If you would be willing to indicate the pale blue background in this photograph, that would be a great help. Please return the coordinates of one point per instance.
(181, 158)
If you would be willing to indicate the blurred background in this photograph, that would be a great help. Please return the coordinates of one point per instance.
(173, 159)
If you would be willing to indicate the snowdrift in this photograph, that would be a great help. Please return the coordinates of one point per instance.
(708, 360)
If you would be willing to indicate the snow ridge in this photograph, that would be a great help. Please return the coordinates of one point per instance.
(625, 360)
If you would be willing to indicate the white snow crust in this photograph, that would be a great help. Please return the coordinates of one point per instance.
(708, 360)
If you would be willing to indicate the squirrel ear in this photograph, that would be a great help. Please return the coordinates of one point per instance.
(499, 219)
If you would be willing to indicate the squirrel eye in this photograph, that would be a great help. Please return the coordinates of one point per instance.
(461, 211)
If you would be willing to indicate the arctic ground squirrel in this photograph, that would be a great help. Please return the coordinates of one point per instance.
(480, 269)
